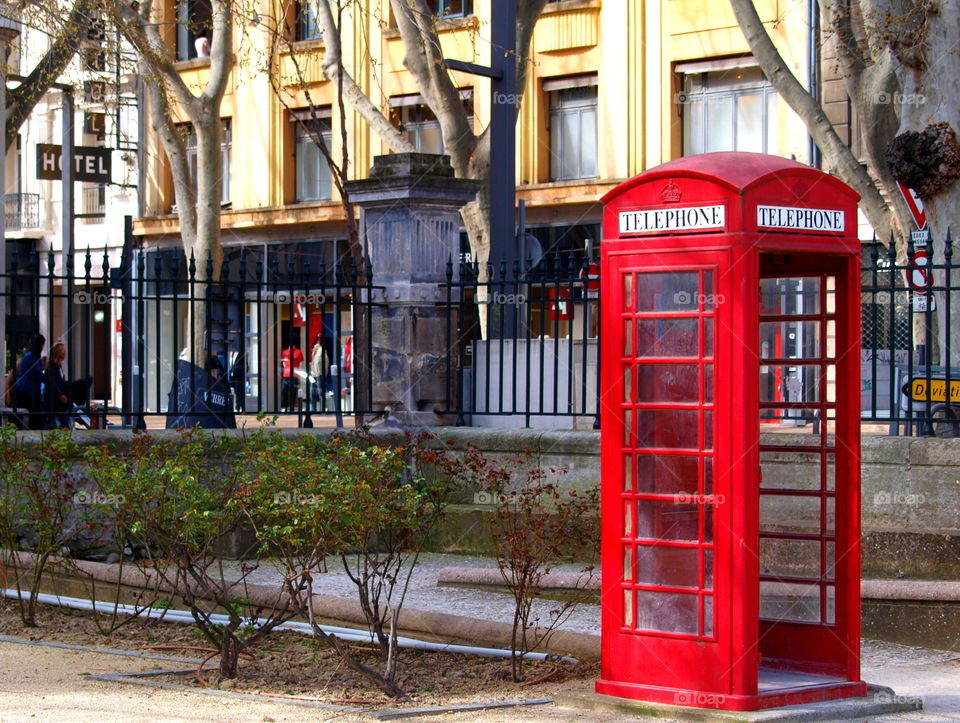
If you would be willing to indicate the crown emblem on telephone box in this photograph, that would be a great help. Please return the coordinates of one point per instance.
(671, 193)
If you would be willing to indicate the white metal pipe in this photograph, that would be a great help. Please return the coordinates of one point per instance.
(349, 634)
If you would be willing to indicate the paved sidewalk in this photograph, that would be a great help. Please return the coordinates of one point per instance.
(48, 683)
(41, 683)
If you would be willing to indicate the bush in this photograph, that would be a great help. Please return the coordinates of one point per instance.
(177, 498)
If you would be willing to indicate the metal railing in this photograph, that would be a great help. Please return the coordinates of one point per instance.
(910, 376)
(22, 210)
(158, 344)
(538, 362)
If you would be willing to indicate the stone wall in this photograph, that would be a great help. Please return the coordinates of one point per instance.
(911, 490)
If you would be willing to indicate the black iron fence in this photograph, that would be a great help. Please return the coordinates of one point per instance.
(909, 367)
(153, 340)
(523, 343)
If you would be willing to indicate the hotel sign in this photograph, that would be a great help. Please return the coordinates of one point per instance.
(90, 163)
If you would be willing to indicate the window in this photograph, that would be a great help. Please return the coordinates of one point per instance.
(419, 124)
(194, 21)
(727, 108)
(451, 8)
(190, 140)
(573, 127)
(305, 24)
(314, 181)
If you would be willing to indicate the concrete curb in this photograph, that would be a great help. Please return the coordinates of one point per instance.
(879, 701)
(428, 625)
(485, 576)
(921, 590)
(935, 590)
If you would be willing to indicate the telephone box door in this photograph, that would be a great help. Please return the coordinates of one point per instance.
(660, 497)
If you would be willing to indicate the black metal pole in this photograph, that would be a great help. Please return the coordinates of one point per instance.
(68, 220)
(125, 272)
(503, 132)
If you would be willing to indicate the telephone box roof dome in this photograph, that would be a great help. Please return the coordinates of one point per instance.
(737, 170)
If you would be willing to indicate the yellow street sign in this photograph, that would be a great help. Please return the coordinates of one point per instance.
(932, 390)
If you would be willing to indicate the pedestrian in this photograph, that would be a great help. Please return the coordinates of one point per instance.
(291, 361)
(28, 387)
(57, 390)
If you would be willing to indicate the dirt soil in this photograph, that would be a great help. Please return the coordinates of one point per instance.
(292, 664)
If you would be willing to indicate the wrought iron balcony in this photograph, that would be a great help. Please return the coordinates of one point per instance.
(22, 210)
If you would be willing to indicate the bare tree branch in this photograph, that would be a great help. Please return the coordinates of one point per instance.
(333, 69)
(840, 159)
(21, 100)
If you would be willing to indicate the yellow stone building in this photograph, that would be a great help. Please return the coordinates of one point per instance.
(615, 87)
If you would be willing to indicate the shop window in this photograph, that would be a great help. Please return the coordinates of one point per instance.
(727, 108)
(573, 127)
(314, 182)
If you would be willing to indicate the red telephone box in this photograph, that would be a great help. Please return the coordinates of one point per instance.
(731, 557)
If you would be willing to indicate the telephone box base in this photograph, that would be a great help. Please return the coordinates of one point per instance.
(700, 699)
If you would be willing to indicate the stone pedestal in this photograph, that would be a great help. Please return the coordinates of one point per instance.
(411, 204)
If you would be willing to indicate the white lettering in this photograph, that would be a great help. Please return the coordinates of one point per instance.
(801, 219)
(673, 219)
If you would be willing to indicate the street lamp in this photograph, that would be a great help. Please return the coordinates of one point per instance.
(9, 32)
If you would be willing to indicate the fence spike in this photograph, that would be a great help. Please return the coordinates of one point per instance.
(224, 268)
(449, 268)
(948, 248)
(51, 262)
(32, 260)
(14, 260)
(892, 250)
(87, 264)
(192, 269)
(369, 269)
(105, 265)
(209, 264)
(875, 250)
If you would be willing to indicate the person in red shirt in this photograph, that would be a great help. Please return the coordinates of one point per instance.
(291, 360)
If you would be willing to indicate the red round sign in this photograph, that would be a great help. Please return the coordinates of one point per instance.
(920, 276)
